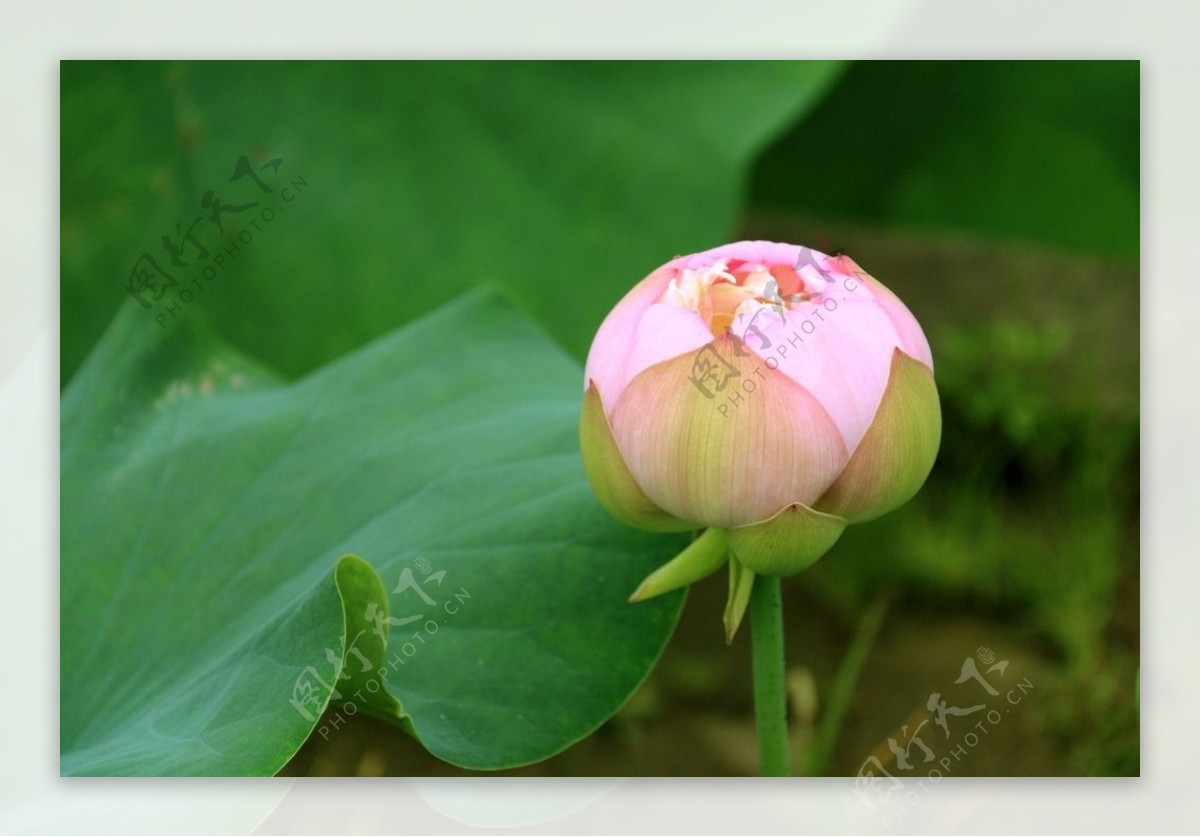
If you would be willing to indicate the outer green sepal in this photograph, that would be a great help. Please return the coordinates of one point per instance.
(895, 456)
(606, 470)
(703, 557)
(787, 543)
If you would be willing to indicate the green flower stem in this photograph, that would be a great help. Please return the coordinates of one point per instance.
(770, 694)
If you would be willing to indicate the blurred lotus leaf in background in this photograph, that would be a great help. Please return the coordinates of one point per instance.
(563, 182)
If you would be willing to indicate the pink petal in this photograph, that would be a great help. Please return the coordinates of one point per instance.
(769, 253)
(640, 332)
(774, 446)
(842, 356)
(912, 339)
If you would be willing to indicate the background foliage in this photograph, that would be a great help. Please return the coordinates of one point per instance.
(999, 200)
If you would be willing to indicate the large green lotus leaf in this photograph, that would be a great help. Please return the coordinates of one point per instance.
(567, 182)
(211, 515)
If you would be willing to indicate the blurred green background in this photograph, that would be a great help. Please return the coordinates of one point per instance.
(1000, 200)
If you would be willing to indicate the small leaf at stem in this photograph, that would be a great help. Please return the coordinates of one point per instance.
(703, 557)
(741, 582)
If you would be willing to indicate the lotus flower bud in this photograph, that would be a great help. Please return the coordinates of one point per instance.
(766, 392)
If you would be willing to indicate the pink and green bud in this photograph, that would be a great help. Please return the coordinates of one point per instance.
(765, 390)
